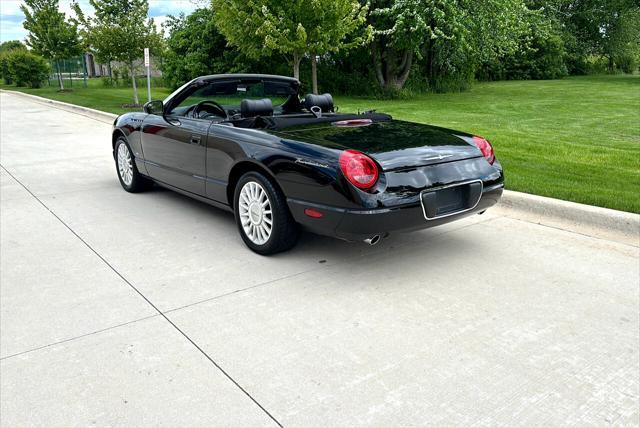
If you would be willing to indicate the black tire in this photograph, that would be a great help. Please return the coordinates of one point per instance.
(284, 232)
(139, 183)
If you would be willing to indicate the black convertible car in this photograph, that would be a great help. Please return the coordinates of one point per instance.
(250, 144)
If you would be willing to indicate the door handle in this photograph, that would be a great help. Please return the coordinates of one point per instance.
(195, 139)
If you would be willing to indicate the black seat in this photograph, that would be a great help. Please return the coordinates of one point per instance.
(252, 108)
(324, 101)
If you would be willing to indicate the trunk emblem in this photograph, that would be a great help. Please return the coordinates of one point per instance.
(439, 157)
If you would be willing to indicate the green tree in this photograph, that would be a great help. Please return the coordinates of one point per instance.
(600, 28)
(119, 31)
(295, 29)
(604, 25)
(10, 45)
(5, 50)
(194, 47)
(446, 34)
(50, 35)
(622, 43)
(541, 53)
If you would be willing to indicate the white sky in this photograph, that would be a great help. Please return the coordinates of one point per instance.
(11, 16)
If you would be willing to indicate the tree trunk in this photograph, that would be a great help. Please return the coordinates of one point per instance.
(296, 65)
(430, 62)
(59, 76)
(314, 73)
(392, 68)
(135, 88)
(407, 62)
(377, 63)
(431, 57)
(611, 68)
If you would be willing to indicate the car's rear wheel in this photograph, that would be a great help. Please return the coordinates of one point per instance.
(130, 179)
(262, 215)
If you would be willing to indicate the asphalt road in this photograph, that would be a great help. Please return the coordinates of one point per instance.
(139, 310)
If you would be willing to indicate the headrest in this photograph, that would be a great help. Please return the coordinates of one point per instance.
(251, 108)
(324, 101)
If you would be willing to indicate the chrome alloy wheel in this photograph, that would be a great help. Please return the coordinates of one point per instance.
(125, 166)
(254, 208)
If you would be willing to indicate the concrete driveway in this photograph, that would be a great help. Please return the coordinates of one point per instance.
(140, 310)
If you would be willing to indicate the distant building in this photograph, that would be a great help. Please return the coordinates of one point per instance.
(95, 69)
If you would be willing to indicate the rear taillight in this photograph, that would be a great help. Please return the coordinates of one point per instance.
(486, 149)
(359, 169)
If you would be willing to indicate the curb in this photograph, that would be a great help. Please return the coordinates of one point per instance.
(540, 209)
(85, 111)
(549, 211)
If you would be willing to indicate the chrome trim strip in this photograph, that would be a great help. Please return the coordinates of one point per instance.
(494, 187)
(180, 171)
(447, 186)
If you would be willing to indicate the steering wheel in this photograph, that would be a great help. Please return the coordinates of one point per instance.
(219, 110)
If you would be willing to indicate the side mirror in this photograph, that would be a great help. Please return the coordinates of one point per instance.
(154, 107)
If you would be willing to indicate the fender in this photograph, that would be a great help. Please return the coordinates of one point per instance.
(130, 125)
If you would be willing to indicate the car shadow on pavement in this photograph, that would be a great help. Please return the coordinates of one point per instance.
(320, 248)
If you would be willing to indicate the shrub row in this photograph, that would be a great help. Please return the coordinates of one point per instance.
(23, 68)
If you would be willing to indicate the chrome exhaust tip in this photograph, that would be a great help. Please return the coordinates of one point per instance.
(373, 240)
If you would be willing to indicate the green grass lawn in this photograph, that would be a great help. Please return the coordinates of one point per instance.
(95, 96)
(576, 139)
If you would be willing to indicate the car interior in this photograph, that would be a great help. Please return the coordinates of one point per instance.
(252, 104)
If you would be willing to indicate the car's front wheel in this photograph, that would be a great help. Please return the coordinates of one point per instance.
(130, 179)
(262, 215)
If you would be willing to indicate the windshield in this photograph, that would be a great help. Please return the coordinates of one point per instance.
(229, 94)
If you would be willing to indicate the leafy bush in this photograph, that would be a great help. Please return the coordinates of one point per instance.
(5, 49)
(452, 82)
(156, 81)
(115, 76)
(122, 75)
(121, 78)
(541, 55)
(594, 64)
(4, 68)
(345, 73)
(11, 45)
(108, 82)
(626, 63)
(27, 69)
(543, 60)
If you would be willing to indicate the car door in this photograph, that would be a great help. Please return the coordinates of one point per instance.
(222, 152)
(174, 149)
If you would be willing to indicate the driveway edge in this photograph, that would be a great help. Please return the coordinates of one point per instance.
(540, 209)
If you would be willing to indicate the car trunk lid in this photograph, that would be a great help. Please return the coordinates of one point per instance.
(394, 144)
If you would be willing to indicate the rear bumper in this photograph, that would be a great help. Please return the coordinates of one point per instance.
(356, 225)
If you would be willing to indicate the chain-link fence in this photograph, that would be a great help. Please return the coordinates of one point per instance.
(72, 70)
